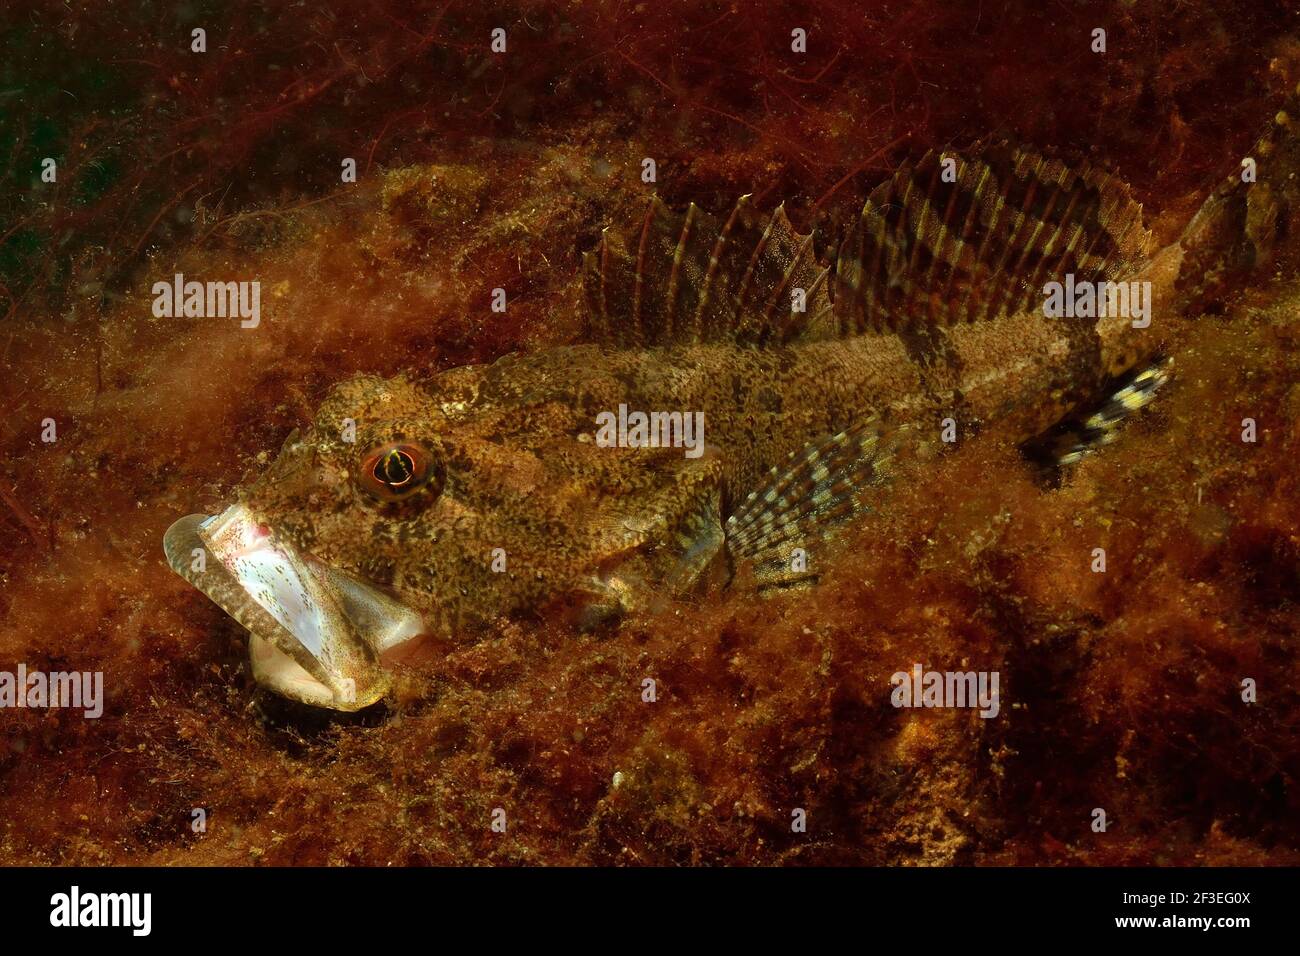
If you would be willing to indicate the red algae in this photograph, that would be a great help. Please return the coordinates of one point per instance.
(1120, 690)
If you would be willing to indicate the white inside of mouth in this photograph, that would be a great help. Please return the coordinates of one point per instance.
(276, 669)
(274, 576)
(385, 623)
(322, 607)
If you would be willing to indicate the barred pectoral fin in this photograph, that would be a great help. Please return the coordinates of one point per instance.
(809, 499)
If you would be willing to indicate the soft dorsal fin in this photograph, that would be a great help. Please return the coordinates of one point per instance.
(981, 246)
(923, 250)
(696, 278)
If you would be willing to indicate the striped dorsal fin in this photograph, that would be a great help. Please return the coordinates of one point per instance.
(936, 243)
(690, 278)
(980, 242)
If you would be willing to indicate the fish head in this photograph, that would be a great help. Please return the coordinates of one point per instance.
(305, 557)
(401, 513)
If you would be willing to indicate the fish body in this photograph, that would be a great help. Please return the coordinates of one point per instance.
(411, 508)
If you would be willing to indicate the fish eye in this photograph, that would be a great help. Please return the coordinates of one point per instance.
(394, 472)
(394, 469)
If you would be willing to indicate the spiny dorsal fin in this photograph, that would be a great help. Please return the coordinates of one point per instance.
(923, 250)
(692, 278)
(928, 250)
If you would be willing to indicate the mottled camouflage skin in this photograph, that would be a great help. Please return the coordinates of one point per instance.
(930, 310)
(523, 474)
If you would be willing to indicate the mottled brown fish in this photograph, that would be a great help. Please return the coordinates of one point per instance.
(439, 507)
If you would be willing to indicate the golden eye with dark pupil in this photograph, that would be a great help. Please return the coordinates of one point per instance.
(394, 469)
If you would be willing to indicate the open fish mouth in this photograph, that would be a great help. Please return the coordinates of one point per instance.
(318, 635)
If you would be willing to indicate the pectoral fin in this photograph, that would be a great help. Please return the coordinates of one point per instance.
(807, 501)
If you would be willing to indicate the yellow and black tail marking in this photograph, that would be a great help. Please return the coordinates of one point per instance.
(1076, 438)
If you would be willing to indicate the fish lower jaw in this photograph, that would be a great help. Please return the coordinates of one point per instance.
(278, 672)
